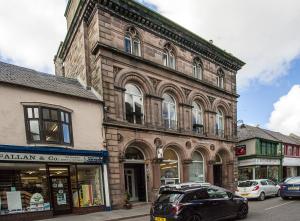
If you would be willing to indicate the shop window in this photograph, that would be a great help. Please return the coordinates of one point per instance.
(48, 125)
(245, 173)
(134, 104)
(196, 169)
(169, 112)
(169, 168)
(197, 118)
(90, 186)
(132, 42)
(23, 188)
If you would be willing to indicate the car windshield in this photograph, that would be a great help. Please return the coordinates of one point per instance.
(247, 184)
(168, 197)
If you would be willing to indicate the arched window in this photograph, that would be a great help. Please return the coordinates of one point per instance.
(169, 112)
(196, 169)
(133, 153)
(169, 57)
(197, 118)
(220, 123)
(134, 104)
(197, 69)
(220, 78)
(132, 42)
(169, 168)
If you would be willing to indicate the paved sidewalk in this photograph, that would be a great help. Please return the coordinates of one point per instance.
(138, 211)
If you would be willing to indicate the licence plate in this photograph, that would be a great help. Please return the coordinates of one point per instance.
(245, 194)
(293, 188)
(160, 219)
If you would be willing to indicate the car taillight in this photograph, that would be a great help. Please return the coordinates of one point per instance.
(282, 187)
(255, 188)
(175, 209)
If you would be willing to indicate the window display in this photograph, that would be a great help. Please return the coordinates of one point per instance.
(169, 168)
(23, 188)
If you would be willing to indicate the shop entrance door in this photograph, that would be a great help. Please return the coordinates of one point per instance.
(130, 184)
(60, 192)
(218, 175)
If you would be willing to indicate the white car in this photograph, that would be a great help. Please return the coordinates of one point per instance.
(257, 189)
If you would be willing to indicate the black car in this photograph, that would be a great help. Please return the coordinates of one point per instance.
(195, 204)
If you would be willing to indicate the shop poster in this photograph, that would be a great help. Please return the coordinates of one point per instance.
(14, 202)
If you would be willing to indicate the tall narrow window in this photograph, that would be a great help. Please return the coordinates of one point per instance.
(196, 169)
(48, 125)
(220, 123)
(134, 104)
(132, 42)
(197, 118)
(169, 57)
(220, 78)
(169, 168)
(197, 69)
(169, 112)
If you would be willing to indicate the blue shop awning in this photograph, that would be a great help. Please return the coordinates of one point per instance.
(51, 154)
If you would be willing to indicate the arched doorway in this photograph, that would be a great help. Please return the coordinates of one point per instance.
(218, 171)
(169, 168)
(197, 168)
(134, 174)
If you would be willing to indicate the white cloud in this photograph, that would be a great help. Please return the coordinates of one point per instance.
(30, 32)
(265, 34)
(285, 116)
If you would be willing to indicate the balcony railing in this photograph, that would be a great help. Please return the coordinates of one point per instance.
(220, 133)
(198, 129)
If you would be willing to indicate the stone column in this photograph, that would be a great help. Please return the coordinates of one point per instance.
(156, 175)
(185, 169)
(210, 171)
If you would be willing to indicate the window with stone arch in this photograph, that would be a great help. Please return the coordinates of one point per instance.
(220, 78)
(197, 168)
(197, 69)
(169, 168)
(197, 118)
(220, 125)
(169, 59)
(134, 104)
(169, 113)
(132, 42)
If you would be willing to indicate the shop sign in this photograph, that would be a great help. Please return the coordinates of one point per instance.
(240, 150)
(28, 157)
(258, 161)
(289, 161)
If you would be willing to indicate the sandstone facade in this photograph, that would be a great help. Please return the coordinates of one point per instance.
(94, 51)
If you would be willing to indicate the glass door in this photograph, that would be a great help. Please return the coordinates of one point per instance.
(60, 195)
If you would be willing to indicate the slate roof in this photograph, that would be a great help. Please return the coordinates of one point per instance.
(246, 132)
(16, 75)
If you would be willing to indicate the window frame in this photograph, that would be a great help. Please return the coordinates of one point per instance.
(169, 108)
(134, 98)
(41, 125)
(169, 57)
(133, 37)
(198, 115)
(197, 69)
(220, 118)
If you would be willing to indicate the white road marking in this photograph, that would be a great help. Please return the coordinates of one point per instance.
(279, 205)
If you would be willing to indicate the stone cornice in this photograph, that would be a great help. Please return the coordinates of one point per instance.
(136, 13)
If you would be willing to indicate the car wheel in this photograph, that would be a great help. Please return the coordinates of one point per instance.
(262, 196)
(284, 198)
(243, 212)
(194, 218)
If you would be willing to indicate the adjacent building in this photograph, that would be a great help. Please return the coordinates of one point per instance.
(52, 157)
(170, 96)
(259, 154)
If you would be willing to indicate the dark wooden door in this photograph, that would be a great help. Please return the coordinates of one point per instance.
(218, 175)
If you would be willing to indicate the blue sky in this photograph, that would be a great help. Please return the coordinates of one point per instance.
(265, 37)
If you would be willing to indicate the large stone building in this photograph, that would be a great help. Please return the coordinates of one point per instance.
(170, 96)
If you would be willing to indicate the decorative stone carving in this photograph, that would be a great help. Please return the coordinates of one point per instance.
(155, 82)
(211, 99)
(120, 138)
(212, 147)
(159, 149)
(188, 145)
(186, 91)
(116, 70)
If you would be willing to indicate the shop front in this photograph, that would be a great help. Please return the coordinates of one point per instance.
(39, 182)
(291, 166)
(257, 168)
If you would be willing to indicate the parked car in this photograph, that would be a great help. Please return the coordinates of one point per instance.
(198, 203)
(290, 188)
(257, 189)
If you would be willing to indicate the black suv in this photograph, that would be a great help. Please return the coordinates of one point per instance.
(198, 203)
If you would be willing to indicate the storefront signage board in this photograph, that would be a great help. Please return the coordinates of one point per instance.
(29, 157)
(289, 161)
(259, 162)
